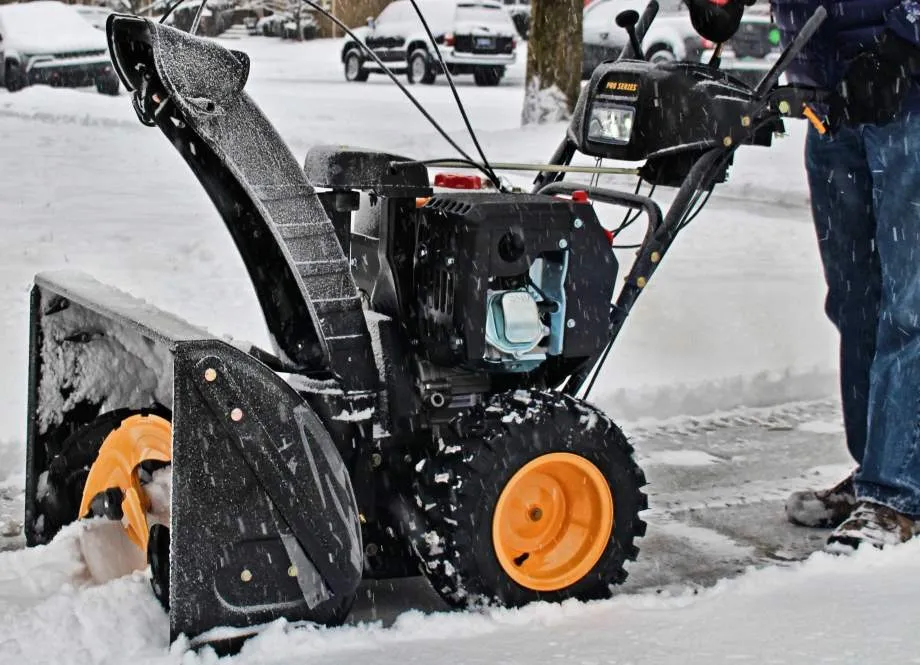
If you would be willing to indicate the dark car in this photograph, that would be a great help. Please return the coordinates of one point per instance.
(51, 43)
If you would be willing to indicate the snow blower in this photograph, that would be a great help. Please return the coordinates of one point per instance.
(424, 407)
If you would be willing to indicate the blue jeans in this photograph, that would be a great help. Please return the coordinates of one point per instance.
(865, 192)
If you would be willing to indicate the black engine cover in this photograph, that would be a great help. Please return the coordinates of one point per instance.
(470, 243)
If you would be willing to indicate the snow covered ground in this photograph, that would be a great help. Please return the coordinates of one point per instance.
(732, 321)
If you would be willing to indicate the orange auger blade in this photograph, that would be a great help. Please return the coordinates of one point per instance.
(137, 439)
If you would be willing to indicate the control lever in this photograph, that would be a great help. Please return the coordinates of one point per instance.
(628, 20)
(645, 22)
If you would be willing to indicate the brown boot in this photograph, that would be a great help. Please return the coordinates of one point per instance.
(872, 524)
(822, 509)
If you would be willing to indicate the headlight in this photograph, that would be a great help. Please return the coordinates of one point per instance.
(610, 124)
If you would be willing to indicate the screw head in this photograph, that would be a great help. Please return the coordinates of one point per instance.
(563, 243)
(535, 514)
(570, 323)
(371, 549)
(236, 415)
(246, 575)
(450, 261)
(376, 460)
(784, 106)
(578, 223)
(292, 571)
(210, 374)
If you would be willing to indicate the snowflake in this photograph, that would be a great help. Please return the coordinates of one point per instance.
(912, 10)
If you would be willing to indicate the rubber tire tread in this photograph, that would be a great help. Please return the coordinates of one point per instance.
(457, 486)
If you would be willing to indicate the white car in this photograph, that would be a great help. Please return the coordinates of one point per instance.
(671, 36)
(475, 37)
(50, 43)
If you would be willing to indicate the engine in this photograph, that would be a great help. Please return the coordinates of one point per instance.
(502, 282)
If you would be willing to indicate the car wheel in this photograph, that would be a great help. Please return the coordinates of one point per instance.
(488, 76)
(108, 85)
(661, 53)
(420, 69)
(353, 69)
(14, 78)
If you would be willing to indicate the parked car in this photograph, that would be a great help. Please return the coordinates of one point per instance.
(475, 37)
(97, 16)
(49, 42)
(520, 14)
(671, 36)
(754, 48)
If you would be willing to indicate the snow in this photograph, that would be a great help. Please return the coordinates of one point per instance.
(47, 26)
(732, 323)
(826, 609)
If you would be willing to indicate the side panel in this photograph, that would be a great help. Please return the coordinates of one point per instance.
(264, 521)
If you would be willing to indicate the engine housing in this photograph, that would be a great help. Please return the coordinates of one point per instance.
(501, 282)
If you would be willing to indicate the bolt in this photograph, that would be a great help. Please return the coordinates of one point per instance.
(292, 571)
(655, 257)
(210, 374)
(449, 261)
(236, 415)
(784, 106)
(563, 243)
(422, 253)
(727, 141)
(570, 323)
(246, 575)
(376, 460)
(641, 282)
(745, 121)
(578, 223)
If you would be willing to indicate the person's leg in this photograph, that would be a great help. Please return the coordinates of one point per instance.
(888, 481)
(890, 472)
(840, 183)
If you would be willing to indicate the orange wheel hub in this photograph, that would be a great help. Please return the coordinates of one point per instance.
(553, 521)
(137, 439)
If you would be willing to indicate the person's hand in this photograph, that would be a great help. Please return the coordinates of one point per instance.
(876, 83)
(716, 20)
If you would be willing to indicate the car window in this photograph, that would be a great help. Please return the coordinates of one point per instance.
(484, 13)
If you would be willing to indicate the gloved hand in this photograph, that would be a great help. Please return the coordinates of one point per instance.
(876, 82)
(716, 20)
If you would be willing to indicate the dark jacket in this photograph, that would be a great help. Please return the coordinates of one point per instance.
(851, 26)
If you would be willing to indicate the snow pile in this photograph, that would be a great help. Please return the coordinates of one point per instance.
(856, 609)
(544, 105)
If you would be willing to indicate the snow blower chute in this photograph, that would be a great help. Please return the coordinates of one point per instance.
(424, 408)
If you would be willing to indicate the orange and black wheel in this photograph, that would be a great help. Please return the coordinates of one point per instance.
(536, 496)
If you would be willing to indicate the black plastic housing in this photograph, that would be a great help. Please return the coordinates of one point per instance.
(467, 244)
(680, 108)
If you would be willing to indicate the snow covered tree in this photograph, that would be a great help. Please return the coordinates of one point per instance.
(554, 58)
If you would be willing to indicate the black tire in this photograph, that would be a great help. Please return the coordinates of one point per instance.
(661, 53)
(353, 69)
(488, 76)
(108, 85)
(458, 485)
(420, 69)
(14, 78)
(158, 558)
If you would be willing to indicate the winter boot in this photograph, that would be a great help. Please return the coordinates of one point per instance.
(822, 509)
(872, 524)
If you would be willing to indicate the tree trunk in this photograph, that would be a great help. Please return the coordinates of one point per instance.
(554, 57)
